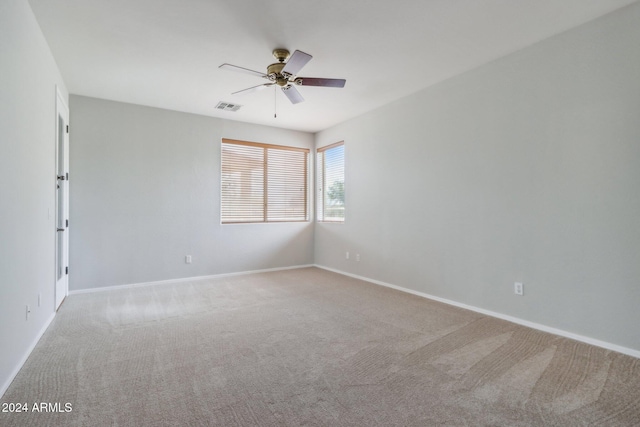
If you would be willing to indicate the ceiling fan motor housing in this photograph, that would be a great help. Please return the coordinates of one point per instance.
(274, 71)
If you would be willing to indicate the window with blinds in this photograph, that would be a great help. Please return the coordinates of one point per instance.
(330, 183)
(263, 183)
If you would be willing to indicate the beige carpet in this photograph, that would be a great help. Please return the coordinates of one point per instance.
(310, 348)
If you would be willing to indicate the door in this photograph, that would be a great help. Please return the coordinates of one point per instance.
(62, 200)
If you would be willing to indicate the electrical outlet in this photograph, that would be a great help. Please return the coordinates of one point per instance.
(358, 257)
(518, 288)
(187, 259)
(346, 256)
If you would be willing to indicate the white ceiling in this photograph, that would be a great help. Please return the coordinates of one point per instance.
(166, 53)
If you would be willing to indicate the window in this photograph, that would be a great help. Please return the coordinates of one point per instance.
(330, 183)
(263, 183)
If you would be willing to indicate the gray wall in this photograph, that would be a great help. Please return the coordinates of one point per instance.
(526, 169)
(145, 186)
(28, 80)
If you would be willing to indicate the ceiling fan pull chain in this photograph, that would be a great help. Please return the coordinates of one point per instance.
(274, 103)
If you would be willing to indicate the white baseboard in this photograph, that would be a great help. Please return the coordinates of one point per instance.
(185, 279)
(26, 355)
(533, 325)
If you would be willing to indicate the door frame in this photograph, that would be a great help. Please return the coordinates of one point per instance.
(61, 269)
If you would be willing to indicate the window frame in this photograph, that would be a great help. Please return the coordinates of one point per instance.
(265, 210)
(320, 172)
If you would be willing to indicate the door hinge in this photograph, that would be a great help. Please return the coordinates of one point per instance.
(67, 223)
(66, 270)
(67, 128)
(67, 176)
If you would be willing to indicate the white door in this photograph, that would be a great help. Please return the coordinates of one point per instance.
(62, 200)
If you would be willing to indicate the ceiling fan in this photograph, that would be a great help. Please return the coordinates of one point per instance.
(284, 74)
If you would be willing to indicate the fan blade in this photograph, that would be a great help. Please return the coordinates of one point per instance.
(314, 81)
(253, 89)
(293, 94)
(295, 63)
(242, 70)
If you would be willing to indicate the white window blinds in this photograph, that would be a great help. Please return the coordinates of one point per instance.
(263, 183)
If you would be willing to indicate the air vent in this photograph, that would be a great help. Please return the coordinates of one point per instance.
(227, 106)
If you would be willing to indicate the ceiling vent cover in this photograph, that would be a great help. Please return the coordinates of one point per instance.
(227, 106)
